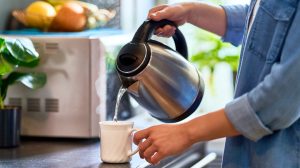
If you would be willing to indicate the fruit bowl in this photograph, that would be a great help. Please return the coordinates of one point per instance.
(32, 19)
(67, 17)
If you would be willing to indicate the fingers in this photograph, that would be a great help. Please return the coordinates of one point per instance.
(150, 146)
(143, 146)
(166, 31)
(140, 135)
(155, 9)
(149, 152)
(156, 158)
(161, 14)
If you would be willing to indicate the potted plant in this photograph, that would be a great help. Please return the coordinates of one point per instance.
(14, 54)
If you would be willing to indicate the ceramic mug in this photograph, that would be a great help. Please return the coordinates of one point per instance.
(116, 141)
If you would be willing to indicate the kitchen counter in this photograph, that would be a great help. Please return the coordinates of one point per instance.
(80, 153)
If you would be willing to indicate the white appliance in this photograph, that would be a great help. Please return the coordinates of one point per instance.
(66, 105)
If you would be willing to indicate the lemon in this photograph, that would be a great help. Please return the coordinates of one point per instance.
(57, 8)
(40, 14)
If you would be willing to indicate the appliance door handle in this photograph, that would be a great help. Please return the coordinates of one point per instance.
(206, 160)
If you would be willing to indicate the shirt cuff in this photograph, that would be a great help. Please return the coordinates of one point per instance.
(235, 19)
(245, 120)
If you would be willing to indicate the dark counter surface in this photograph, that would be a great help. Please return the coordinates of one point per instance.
(79, 153)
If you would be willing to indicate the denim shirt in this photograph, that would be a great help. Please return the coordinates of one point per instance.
(266, 108)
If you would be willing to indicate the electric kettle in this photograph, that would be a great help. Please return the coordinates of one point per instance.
(158, 77)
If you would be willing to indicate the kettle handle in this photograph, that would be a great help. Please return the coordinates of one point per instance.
(146, 30)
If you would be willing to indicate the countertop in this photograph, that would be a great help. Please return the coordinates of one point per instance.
(80, 153)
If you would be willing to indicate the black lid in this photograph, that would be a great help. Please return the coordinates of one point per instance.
(133, 58)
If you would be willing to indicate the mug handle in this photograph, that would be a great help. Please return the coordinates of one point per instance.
(131, 153)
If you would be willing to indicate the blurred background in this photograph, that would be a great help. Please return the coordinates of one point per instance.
(216, 60)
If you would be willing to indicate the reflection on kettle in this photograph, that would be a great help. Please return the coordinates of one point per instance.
(113, 165)
(158, 77)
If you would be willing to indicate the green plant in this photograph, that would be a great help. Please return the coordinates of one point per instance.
(213, 51)
(110, 58)
(110, 62)
(14, 54)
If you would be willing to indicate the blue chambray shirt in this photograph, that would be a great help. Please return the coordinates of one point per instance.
(266, 108)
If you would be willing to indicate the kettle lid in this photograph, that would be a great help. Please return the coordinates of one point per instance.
(133, 58)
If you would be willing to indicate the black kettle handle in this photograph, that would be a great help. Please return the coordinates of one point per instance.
(146, 30)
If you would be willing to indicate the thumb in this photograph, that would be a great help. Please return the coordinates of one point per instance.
(159, 15)
(140, 135)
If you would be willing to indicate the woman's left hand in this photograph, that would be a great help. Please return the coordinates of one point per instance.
(158, 142)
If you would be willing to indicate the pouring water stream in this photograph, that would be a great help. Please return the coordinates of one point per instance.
(121, 92)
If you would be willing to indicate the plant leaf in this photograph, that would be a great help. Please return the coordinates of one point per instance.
(9, 58)
(32, 80)
(22, 52)
(5, 67)
(2, 44)
(213, 51)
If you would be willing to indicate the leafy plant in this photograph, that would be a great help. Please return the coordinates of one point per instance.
(110, 58)
(213, 51)
(110, 62)
(16, 53)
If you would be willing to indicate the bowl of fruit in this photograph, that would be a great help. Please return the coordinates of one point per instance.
(63, 15)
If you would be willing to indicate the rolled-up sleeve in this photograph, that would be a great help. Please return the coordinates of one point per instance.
(235, 19)
(274, 104)
(245, 119)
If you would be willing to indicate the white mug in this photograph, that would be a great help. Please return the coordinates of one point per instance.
(116, 141)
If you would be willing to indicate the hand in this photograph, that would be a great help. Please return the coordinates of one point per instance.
(158, 142)
(177, 13)
(206, 16)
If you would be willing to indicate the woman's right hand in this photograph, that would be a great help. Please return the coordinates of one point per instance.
(178, 13)
(206, 16)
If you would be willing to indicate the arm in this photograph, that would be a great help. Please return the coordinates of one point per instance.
(158, 142)
(208, 17)
(226, 21)
(274, 103)
(210, 126)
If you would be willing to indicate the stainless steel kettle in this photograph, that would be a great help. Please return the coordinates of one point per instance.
(158, 77)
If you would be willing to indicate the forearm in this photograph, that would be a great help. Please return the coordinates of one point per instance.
(210, 126)
(206, 16)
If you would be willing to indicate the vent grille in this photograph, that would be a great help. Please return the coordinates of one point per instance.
(51, 46)
(15, 101)
(33, 105)
(38, 46)
(52, 105)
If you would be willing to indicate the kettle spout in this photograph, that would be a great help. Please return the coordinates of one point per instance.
(134, 88)
(131, 85)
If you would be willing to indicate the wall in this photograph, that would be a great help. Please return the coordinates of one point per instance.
(134, 13)
(6, 6)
